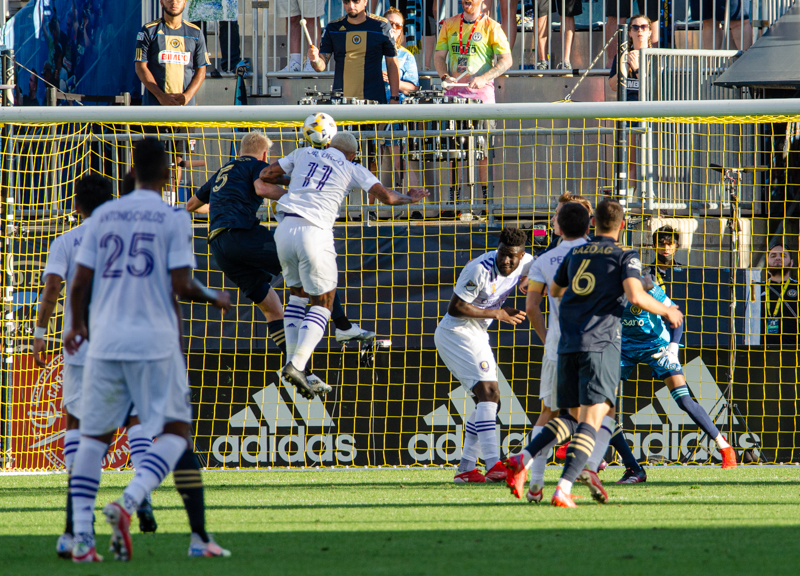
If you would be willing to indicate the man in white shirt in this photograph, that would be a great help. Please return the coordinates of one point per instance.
(463, 344)
(136, 256)
(319, 180)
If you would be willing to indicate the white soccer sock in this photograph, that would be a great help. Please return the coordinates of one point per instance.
(721, 442)
(471, 451)
(311, 332)
(539, 461)
(485, 424)
(294, 58)
(71, 440)
(158, 461)
(565, 486)
(85, 481)
(139, 443)
(601, 443)
(293, 316)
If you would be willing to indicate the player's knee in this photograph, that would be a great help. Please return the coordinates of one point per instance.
(132, 421)
(182, 429)
(72, 423)
(487, 392)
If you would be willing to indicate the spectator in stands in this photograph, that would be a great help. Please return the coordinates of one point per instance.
(779, 301)
(666, 241)
(509, 21)
(712, 14)
(640, 32)
(473, 49)
(296, 10)
(616, 9)
(171, 58)
(33, 87)
(573, 8)
(423, 25)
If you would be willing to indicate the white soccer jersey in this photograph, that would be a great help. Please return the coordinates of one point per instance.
(132, 244)
(61, 262)
(543, 270)
(481, 285)
(320, 182)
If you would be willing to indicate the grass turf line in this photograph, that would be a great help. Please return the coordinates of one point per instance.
(683, 521)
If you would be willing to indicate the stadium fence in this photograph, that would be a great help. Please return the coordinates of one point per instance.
(395, 403)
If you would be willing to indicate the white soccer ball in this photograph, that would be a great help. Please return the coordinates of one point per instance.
(319, 129)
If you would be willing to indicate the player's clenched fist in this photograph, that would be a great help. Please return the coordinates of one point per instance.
(418, 193)
(222, 301)
(313, 53)
(510, 315)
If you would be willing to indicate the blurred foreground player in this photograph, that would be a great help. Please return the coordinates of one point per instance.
(463, 344)
(142, 250)
(319, 180)
(592, 281)
(244, 250)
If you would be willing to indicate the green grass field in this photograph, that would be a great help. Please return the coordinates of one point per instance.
(683, 521)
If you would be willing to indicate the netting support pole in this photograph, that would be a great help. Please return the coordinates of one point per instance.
(734, 228)
(621, 144)
(7, 287)
(9, 77)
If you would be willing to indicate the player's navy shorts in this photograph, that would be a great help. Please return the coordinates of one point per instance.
(631, 356)
(587, 378)
(248, 258)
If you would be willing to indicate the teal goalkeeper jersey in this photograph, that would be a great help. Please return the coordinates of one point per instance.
(641, 329)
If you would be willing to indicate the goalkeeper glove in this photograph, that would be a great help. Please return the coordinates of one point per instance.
(668, 356)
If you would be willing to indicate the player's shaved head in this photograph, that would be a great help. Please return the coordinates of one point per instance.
(91, 191)
(255, 143)
(345, 143)
(573, 219)
(608, 216)
(150, 162)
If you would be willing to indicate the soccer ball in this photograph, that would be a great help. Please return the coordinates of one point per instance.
(319, 129)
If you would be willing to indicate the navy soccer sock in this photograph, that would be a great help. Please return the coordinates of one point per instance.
(189, 484)
(623, 450)
(338, 317)
(684, 399)
(558, 430)
(277, 334)
(580, 448)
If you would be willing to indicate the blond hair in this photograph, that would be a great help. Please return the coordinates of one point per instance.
(400, 37)
(570, 197)
(256, 143)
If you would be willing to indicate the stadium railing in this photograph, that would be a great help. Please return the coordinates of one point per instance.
(394, 403)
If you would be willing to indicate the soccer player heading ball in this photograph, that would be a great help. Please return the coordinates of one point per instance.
(463, 344)
(319, 180)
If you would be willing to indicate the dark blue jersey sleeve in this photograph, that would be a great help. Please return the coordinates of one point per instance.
(326, 44)
(204, 193)
(630, 265)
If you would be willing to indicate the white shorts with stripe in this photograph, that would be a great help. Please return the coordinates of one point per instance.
(71, 382)
(307, 254)
(548, 382)
(467, 353)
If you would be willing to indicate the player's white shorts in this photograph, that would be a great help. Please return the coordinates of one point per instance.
(467, 354)
(548, 383)
(304, 8)
(71, 382)
(308, 256)
(158, 389)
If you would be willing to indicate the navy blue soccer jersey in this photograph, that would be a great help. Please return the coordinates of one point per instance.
(642, 329)
(593, 302)
(232, 194)
(358, 50)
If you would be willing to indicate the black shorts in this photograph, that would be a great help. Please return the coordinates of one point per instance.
(572, 7)
(248, 258)
(708, 7)
(649, 8)
(587, 378)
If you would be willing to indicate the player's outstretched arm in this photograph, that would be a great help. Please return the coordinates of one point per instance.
(194, 204)
(638, 297)
(460, 309)
(392, 198)
(78, 301)
(533, 303)
(274, 174)
(47, 304)
(269, 191)
(188, 288)
(556, 290)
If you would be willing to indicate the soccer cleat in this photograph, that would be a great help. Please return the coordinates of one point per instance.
(602, 466)
(497, 473)
(589, 479)
(210, 549)
(632, 476)
(534, 497)
(83, 549)
(472, 477)
(120, 522)
(317, 384)
(516, 475)
(354, 334)
(561, 451)
(561, 500)
(298, 379)
(728, 457)
(147, 521)
(65, 545)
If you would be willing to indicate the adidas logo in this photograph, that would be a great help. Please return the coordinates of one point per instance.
(670, 442)
(430, 446)
(296, 417)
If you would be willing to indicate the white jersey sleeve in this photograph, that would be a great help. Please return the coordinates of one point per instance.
(181, 248)
(363, 178)
(470, 282)
(57, 259)
(87, 254)
(525, 265)
(287, 163)
(536, 274)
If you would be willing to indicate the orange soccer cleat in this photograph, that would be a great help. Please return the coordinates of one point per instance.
(497, 473)
(728, 457)
(561, 500)
(471, 477)
(589, 479)
(516, 475)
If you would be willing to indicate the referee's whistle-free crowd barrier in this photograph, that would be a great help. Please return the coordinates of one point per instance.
(394, 402)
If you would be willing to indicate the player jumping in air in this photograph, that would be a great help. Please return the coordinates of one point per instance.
(245, 250)
(319, 180)
(647, 340)
(135, 257)
(463, 344)
(592, 282)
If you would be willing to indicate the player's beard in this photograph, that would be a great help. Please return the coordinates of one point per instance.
(780, 271)
(174, 14)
